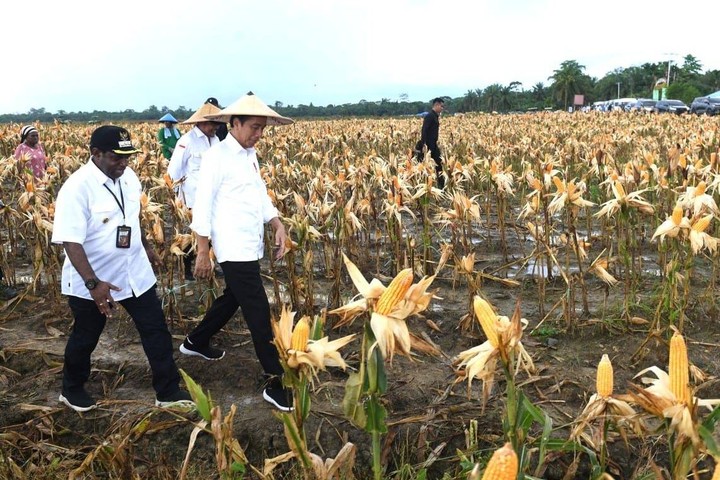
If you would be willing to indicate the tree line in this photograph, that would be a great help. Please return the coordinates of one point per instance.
(686, 81)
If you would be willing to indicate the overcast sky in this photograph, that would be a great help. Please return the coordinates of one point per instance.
(100, 55)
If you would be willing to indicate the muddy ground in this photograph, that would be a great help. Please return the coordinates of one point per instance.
(427, 415)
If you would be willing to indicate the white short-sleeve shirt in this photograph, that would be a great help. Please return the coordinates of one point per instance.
(185, 162)
(88, 214)
(231, 203)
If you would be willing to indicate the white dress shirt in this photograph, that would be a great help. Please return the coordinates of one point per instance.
(231, 203)
(185, 162)
(88, 214)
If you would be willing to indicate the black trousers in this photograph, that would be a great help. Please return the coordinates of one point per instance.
(243, 289)
(146, 312)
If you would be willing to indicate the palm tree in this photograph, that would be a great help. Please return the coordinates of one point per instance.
(492, 95)
(568, 80)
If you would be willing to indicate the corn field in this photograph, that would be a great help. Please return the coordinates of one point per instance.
(553, 228)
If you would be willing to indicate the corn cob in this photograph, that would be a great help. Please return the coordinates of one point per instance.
(300, 335)
(604, 382)
(394, 292)
(678, 369)
(677, 214)
(702, 223)
(488, 320)
(503, 465)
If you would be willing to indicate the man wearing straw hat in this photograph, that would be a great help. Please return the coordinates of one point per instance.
(168, 135)
(184, 166)
(231, 207)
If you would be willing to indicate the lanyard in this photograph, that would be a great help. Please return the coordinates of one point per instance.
(121, 205)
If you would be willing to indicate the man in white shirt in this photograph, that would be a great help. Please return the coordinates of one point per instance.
(108, 262)
(184, 166)
(231, 207)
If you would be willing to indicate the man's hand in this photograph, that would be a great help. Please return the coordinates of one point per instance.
(104, 301)
(203, 266)
(280, 238)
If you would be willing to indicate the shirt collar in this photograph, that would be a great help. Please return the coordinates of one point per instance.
(98, 174)
(199, 133)
(235, 146)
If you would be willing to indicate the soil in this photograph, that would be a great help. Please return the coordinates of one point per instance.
(428, 415)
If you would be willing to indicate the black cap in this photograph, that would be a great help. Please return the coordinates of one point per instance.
(213, 101)
(110, 138)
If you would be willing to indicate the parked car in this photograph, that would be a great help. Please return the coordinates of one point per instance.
(709, 104)
(671, 106)
(642, 105)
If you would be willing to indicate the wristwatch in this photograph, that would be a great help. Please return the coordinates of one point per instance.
(91, 283)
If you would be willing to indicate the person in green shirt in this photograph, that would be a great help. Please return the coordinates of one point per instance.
(168, 135)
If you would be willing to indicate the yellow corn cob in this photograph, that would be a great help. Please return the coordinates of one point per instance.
(488, 320)
(620, 189)
(678, 369)
(700, 189)
(677, 214)
(300, 335)
(702, 224)
(394, 292)
(503, 465)
(604, 382)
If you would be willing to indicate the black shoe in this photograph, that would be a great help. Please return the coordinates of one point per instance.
(180, 398)
(207, 352)
(6, 293)
(80, 401)
(280, 397)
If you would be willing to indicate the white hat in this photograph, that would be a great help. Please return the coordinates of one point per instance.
(252, 106)
(203, 113)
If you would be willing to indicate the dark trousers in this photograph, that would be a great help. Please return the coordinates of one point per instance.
(149, 319)
(434, 154)
(243, 289)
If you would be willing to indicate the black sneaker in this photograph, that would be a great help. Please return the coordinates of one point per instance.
(7, 293)
(207, 352)
(280, 397)
(80, 401)
(180, 398)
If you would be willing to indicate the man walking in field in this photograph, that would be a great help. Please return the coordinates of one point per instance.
(429, 138)
(184, 166)
(232, 207)
(108, 263)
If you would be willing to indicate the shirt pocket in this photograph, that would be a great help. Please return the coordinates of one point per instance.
(104, 215)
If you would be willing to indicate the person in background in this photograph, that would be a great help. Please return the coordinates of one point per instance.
(429, 138)
(168, 135)
(108, 262)
(222, 130)
(31, 148)
(232, 207)
(184, 166)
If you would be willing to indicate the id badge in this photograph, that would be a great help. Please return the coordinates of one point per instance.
(122, 240)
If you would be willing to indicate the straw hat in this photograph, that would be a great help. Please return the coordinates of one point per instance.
(250, 105)
(203, 113)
